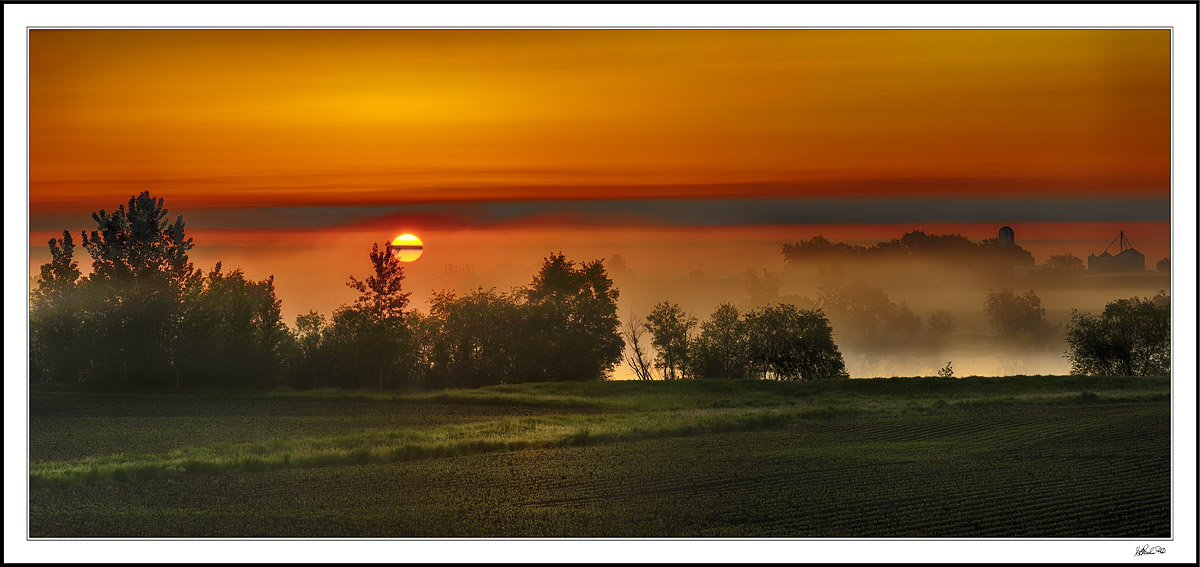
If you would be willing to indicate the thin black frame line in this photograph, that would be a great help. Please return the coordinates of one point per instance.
(28, 270)
(604, 28)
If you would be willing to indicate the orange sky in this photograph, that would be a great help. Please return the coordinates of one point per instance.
(230, 117)
(289, 149)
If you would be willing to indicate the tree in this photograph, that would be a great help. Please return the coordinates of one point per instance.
(139, 242)
(232, 332)
(573, 328)
(720, 351)
(941, 323)
(941, 326)
(308, 365)
(638, 359)
(1132, 337)
(140, 268)
(478, 338)
(786, 343)
(1163, 265)
(54, 317)
(864, 315)
(373, 327)
(381, 296)
(670, 328)
(762, 291)
(1016, 317)
(1065, 264)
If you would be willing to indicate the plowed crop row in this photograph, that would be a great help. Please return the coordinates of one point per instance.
(1030, 471)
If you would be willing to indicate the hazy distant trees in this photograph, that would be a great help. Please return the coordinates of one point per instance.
(1163, 265)
(865, 317)
(913, 244)
(1016, 317)
(1132, 337)
(1065, 264)
(941, 323)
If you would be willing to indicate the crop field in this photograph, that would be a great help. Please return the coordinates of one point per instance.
(1028, 457)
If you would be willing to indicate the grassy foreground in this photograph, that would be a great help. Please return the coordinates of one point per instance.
(975, 457)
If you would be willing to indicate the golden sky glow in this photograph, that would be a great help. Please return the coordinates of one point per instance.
(691, 155)
(230, 117)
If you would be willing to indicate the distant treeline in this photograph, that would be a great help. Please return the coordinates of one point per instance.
(916, 244)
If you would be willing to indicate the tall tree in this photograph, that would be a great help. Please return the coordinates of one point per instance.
(376, 319)
(140, 268)
(573, 325)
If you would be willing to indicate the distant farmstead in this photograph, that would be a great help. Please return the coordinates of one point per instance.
(1127, 260)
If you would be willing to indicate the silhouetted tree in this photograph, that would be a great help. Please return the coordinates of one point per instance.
(638, 358)
(481, 338)
(140, 268)
(573, 328)
(786, 343)
(372, 330)
(55, 317)
(1163, 265)
(1016, 317)
(670, 328)
(232, 332)
(308, 361)
(721, 349)
(1132, 337)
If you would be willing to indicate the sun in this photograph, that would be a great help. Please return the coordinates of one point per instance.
(407, 247)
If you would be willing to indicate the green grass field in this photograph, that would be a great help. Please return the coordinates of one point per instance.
(975, 457)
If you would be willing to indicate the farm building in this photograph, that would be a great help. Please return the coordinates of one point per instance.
(1127, 260)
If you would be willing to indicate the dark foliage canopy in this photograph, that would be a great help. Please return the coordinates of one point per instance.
(1132, 337)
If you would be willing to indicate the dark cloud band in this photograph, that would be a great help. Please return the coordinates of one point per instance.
(669, 212)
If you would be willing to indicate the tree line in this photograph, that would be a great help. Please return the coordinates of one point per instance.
(145, 317)
(913, 244)
(780, 342)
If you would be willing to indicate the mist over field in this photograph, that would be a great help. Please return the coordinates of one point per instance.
(700, 270)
